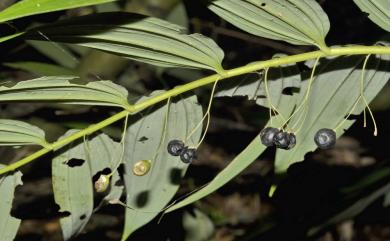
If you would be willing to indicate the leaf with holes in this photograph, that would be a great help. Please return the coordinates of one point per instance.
(14, 133)
(73, 169)
(147, 139)
(378, 11)
(32, 7)
(137, 37)
(335, 90)
(301, 22)
(67, 90)
(8, 224)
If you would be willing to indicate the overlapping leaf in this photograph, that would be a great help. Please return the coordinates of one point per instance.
(14, 132)
(334, 91)
(73, 170)
(41, 69)
(147, 139)
(65, 89)
(32, 7)
(8, 224)
(137, 37)
(378, 11)
(301, 22)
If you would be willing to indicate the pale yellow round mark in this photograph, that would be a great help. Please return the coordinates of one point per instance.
(142, 167)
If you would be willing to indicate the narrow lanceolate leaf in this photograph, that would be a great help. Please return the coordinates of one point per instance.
(67, 90)
(301, 22)
(8, 224)
(147, 139)
(73, 169)
(13, 133)
(32, 7)
(41, 69)
(285, 104)
(137, 37)
(334, 92)
(378, 11)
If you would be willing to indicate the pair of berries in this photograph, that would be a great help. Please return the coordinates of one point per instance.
(177, 148)
(271, 136)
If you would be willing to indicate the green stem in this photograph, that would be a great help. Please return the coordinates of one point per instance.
(256, 66)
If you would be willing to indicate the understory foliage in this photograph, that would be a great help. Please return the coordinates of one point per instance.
(136, 170)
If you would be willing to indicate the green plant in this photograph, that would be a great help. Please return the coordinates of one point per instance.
(357, 74)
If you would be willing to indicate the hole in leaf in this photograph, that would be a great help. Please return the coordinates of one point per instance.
(105, 171)
(64, 214)
(142, 199)
(143, 139)
(74, 162)
(263, 4)
(290, 90)
(352, 117)
(82, 217)
(175, 176)
(119, 183)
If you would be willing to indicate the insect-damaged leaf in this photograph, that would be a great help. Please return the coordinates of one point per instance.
(73, 169)
(137, 37)
(335, 89)
(14, 133)
(31, 7)
(64, 89)
(301, 22)
(378, 11)
(8, 224)
(147, 139)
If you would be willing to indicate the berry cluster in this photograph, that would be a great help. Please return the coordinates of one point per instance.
(271, 136)
(177, 148)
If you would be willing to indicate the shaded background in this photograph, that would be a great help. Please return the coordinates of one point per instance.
(309, 196)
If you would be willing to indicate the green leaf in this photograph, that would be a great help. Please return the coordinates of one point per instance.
(8, 37)
(146, 140)
(41, 69)
(73, 169)
(198, 226)
(137, 37)
(32, 7)
(378, 11)
(8, 224)
(13, 133)
(301, 22)
(64, 89)
(279, 79)
(59, 53)
(335, 89)
(285, 105)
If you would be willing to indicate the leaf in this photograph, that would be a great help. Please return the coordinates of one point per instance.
(279, 79)
(8, 37)
(137, 37)
(42, 69)
(198, 226)
(301, 22)
(64, 89)
(56, 52)
(14, 133)
(73, 169)
(8, 224)
(335, 89)
(285, 105)
(146, 140)
(378, 11)
(32, 7)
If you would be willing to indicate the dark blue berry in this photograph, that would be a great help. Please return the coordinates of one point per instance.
(325, 138)
(267, 136)
(282, 140)
(188, 155)
(175, 147)
(292, 141)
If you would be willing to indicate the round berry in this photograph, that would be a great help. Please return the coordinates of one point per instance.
(325, 138)
(282, 140)
(292, 141)
(188, 155)
(267, 136)
(175, 147)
